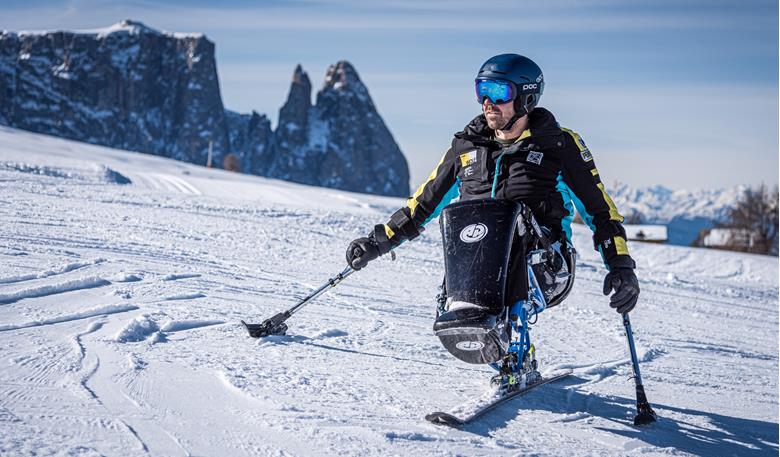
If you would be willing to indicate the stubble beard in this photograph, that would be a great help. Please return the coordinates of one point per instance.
(495, 122)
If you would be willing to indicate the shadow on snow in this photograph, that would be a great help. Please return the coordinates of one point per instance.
(722, 436)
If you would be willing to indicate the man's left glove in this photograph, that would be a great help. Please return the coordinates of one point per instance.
(626, 286)
(365, 249)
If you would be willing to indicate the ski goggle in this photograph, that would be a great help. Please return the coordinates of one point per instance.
(497, 91)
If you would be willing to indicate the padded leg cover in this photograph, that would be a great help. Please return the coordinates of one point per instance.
(472, 334)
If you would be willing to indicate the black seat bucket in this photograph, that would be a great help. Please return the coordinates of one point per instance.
(477, 236)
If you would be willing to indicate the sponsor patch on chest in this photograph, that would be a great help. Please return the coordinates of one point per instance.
(468, 158)
(535, 157)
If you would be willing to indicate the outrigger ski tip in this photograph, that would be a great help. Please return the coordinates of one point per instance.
(443, 418)
(265, 329)
(450, 420)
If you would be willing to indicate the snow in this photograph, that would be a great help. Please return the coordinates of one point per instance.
(52, 289)
(120, 27)
(724, 236)
(119, 327)
(685, 213)
(138, 329)
(62, 71)
(83, 314)
(659, 204)
(134, 28)
(71, 266)
(127, 26)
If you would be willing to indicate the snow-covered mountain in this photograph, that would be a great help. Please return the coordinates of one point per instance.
(123, 277)
(126, 86)
(684, 212)
(659, 204)
(132, 87)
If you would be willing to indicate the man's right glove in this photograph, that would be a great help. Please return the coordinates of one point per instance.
(626, 286)
(365, 249)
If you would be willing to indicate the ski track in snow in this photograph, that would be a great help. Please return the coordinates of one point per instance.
(53, 289)
(50, 272)
(120, 335)
(68, 317)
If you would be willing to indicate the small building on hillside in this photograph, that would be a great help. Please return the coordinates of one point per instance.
(728, 238)
(646, 232)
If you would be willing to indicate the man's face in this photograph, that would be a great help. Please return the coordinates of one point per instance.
(497, 114)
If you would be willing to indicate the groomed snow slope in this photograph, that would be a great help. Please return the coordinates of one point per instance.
(119, 309)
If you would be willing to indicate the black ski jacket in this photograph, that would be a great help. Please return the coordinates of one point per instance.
(548, 168)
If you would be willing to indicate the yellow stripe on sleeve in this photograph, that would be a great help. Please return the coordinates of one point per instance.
(613, 212)
(389, 232)
(412, 202)
(620, 246)
(577, 139)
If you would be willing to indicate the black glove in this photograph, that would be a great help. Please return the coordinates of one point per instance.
(624, 282)
(365, 249)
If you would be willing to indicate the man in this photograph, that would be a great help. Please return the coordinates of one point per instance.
(516, 151)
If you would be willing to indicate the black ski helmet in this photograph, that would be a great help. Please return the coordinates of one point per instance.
(521, 71)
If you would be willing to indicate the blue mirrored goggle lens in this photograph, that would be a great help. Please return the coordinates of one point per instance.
(496, 91)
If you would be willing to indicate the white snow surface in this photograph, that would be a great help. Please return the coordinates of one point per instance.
(120, 335)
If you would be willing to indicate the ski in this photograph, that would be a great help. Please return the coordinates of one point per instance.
(451, 420)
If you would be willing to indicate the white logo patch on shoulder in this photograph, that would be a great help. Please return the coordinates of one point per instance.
(586, 155)
(535, 157)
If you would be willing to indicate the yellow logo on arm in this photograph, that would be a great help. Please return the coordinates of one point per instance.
(468, 158)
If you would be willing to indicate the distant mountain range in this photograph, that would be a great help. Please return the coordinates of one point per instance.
(131, 87)
(684, 212)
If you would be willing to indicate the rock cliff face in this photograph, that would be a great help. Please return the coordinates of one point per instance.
(132, 87)
(126, 86)
(251, 140)
(340, 141)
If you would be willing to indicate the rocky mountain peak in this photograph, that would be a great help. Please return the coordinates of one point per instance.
(341, 141)
(134, 27)
(342, 76)
(132, 87)
(342, 81)
(300, 77)
(294, 114)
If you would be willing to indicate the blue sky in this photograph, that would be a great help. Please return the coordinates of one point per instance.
(681, 93)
